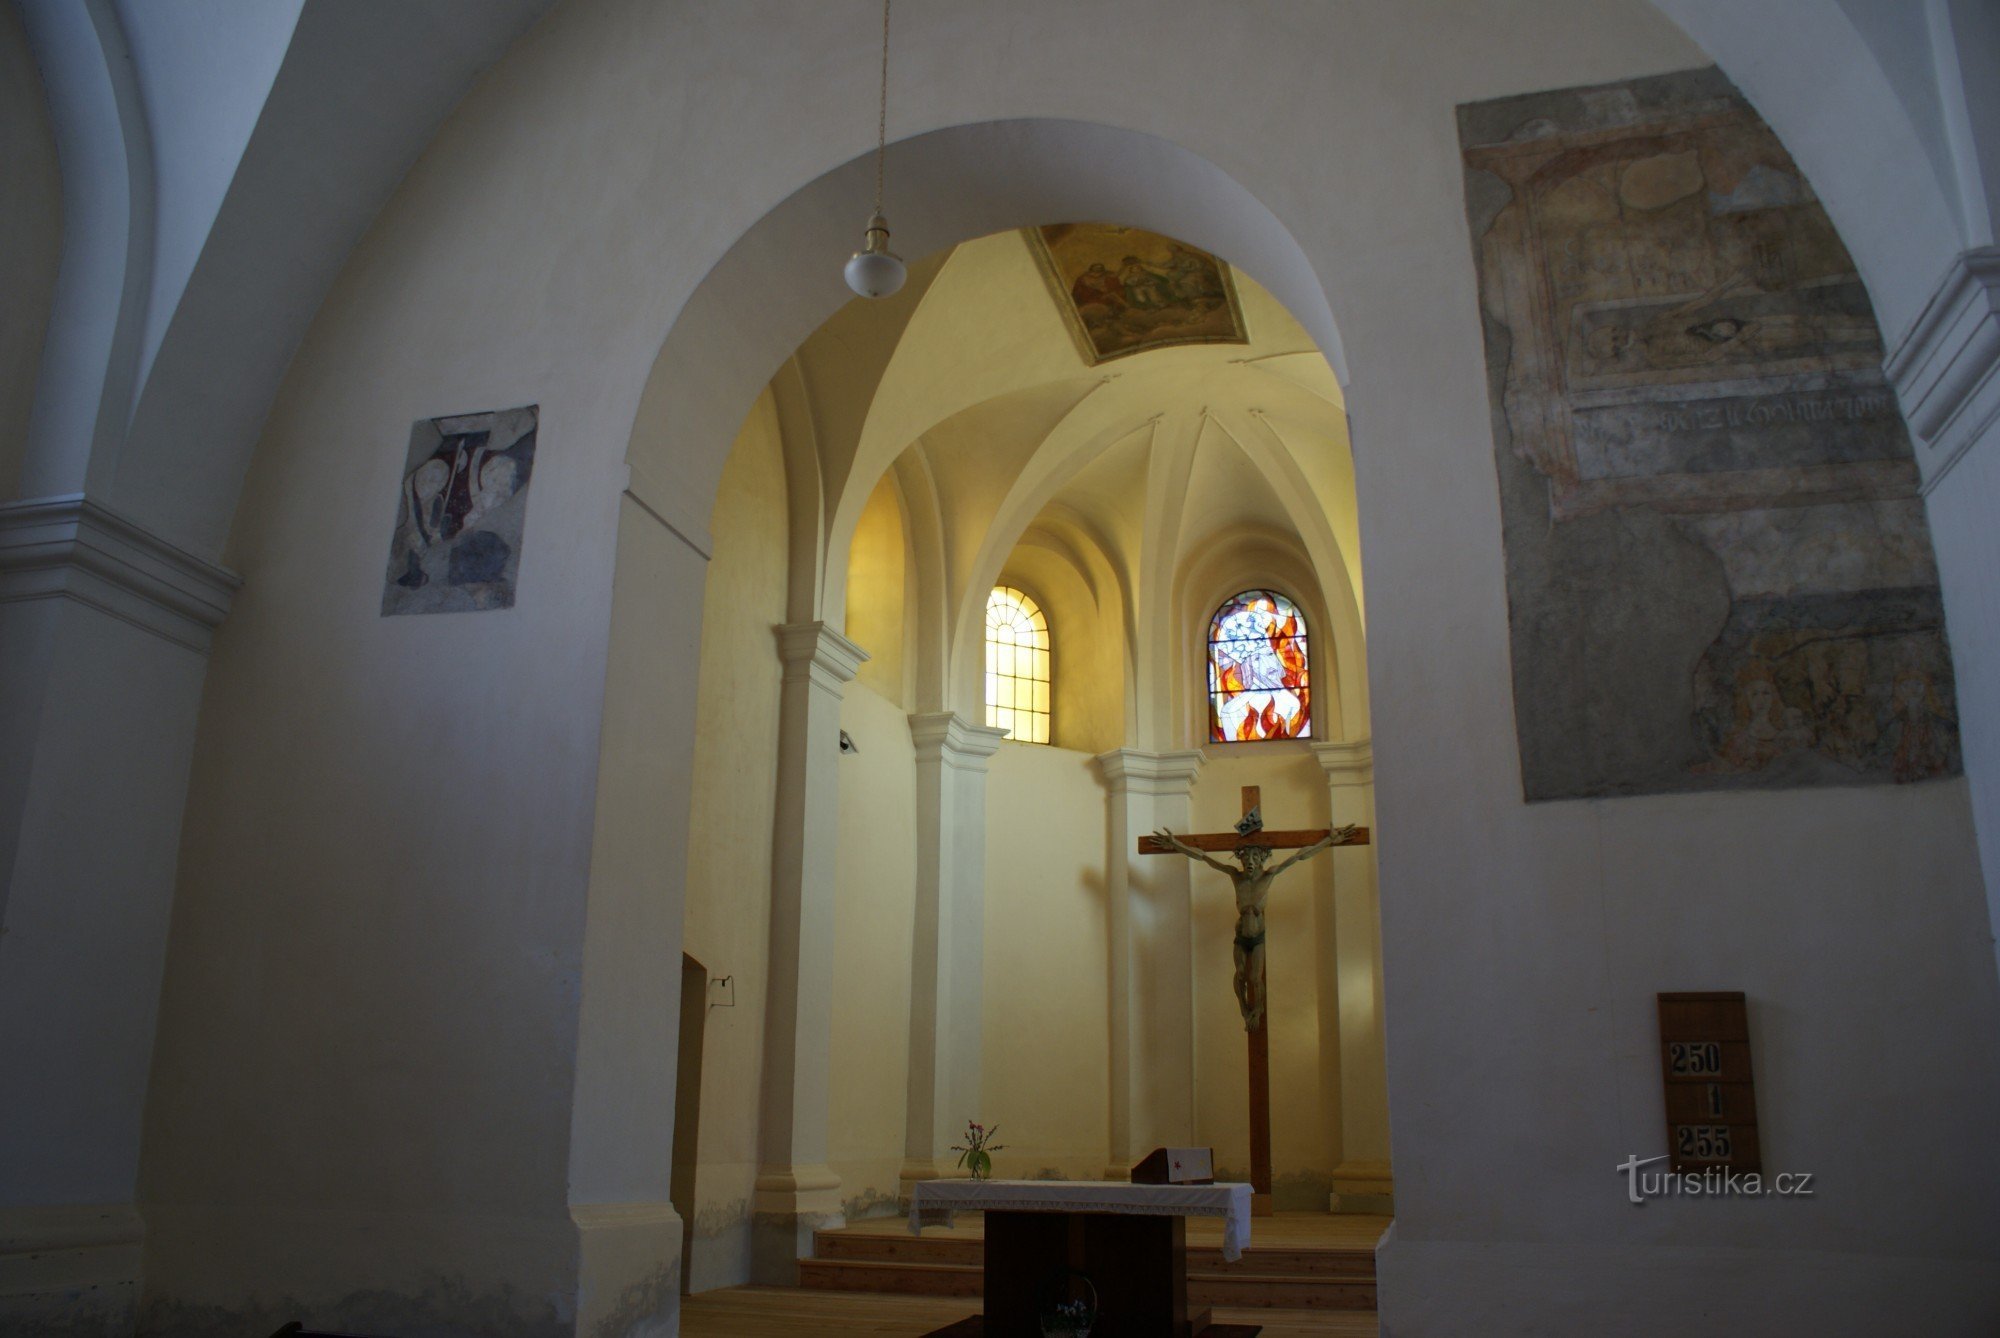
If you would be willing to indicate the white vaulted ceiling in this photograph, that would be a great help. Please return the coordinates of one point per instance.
(1131, 472)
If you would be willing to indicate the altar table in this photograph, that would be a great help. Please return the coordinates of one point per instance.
(1129, 1240)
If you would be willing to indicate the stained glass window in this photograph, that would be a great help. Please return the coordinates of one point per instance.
(1017, 665)
(1257, 684)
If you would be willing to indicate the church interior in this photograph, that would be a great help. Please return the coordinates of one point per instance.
(1399, 598)
(943, 445)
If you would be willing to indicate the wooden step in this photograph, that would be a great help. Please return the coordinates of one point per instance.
(899, 1249)
(1303, 1261)
(1291, 1274)
(912, 1277)
(904, 1279)
(1251, 1290)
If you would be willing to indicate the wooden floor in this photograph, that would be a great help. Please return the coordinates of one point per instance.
(784, 1312)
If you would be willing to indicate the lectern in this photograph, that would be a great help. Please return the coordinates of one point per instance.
(1176, 1166)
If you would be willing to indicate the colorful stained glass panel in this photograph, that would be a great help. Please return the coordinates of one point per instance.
(1258, 681)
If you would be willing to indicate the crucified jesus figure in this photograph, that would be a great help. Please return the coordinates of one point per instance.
(1252, 875)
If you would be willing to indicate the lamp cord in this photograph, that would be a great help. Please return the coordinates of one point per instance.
(882, 112)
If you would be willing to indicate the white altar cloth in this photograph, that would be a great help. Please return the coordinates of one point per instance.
(933, 1202)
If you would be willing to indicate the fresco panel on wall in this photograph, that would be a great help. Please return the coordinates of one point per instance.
(461, 512)
(1719, 571)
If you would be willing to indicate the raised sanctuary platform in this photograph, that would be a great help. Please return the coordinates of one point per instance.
(788, 1312)
(1297, 1261)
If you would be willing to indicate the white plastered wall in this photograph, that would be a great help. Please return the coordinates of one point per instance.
(875, 902)
(878, 579)
(1088, 682)
(729, 851)
(1045, 1024)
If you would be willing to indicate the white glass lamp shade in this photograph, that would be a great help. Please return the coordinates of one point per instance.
(875, 271)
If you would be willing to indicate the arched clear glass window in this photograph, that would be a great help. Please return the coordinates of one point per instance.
(1258, 686)
(1017, 665)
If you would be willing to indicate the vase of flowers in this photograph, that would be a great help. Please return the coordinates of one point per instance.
(1067, 1302)
(975, 1153)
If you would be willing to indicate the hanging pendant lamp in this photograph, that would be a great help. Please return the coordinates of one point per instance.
(875, 270)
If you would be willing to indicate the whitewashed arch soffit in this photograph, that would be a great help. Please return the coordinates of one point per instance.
(1751, 42)
(1856, 119)
(1076, 574)
(1336, 572)
(769, 292)
(1065, 535)
(956, 352)
(1825, 85)
(927, 626)
(185, 247)
(1079, 540)
(1081, 438)
(1106, 567)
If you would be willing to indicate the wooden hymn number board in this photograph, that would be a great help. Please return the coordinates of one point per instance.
(1711, 1102)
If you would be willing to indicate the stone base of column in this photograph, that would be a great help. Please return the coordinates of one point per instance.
(70, 1269)
(915, 1169)
(628, 1266)
(217, 1268)
(786, 1209)
(1362, 1187)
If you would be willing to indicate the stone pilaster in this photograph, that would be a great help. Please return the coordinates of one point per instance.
(1361, 1180)
(1946, 368)
(1150, 971)
(104, 634)
(947, 959)
(796, 1193)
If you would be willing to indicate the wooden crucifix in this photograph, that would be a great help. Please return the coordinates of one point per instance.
(1251, 843)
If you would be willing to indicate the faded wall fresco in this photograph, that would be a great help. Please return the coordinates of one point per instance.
(1718, 568)
(460, 513)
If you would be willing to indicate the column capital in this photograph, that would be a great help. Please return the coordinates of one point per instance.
(1347, 761)
(815, 648)
(949, 737)
(1946, 365)
(74, 547)
(1135, 770)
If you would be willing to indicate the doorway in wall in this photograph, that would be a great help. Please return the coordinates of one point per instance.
(687, 1103)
